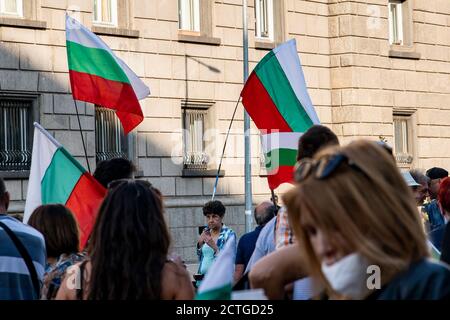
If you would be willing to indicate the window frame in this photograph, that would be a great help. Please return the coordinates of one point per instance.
(408, 158)
(114, 14)
(34, 116)
(270, 22)
(185, 111)
(124, 140)
(195, 26)
(19, 4)
(396, 23)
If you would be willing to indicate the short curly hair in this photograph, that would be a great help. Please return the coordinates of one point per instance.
(215, 207)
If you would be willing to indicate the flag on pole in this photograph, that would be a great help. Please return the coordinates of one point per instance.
(98, 76)
(218, 283)
(56, 177)
(276, 98)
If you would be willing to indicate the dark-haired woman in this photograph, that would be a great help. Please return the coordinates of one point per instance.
(60, 231)
(128, 251)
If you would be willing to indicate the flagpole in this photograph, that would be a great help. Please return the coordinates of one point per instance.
(223, 150)
(82, 137)
(248, 168)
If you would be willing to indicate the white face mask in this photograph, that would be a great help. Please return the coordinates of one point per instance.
(348, 276)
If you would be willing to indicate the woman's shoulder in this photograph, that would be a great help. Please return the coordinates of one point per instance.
(176, 281)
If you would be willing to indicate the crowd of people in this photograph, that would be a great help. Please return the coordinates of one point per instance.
(353, 226)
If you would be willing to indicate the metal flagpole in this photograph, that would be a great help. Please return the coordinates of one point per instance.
(82, 137)
(248, 168)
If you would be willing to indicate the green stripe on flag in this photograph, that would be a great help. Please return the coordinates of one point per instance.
(94, 61)
(60, 178)
(274, 80)
(280, 157)
(220, 293)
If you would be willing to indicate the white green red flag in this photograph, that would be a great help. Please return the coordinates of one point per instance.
(276, 98)
(56, 177)
(98, 76)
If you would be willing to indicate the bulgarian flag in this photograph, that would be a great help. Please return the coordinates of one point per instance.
(276, 98)
(56, 177)
(98, 76)
(218, 282)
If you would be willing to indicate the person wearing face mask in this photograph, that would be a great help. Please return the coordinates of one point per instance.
(359, 234)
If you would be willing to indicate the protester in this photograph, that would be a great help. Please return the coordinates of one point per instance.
(213, 238)
(22, 256)
(128, 251)
(420, 191)
(60, 230)
(113, 169)
(444, 231)
(352, 213)
(263, 213)
(433, 208)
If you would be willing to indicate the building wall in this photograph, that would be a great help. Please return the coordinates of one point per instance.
(343, 45)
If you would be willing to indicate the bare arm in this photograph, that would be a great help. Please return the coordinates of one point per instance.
(67, 290)
(273, 272)
(238, 272)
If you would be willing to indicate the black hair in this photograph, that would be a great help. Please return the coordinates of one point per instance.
(129, 244)
(215, 207)
(314, 139)
(113, 169)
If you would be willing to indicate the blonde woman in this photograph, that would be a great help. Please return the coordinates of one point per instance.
(359, 235)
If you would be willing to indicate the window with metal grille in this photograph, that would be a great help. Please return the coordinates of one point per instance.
(105, 12)
(110, 141)
(395, 22)
(11, 8)
(264, 19)
(195, 156)
(189, 15)
(16, 136)
(402, 139)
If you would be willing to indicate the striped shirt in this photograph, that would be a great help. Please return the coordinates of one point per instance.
(15, 279)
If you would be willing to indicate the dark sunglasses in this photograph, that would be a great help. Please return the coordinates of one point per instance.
(322, 168)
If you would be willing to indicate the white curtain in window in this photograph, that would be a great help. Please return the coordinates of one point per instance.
(264, 19)
(11, 7)
(105, 11)
(189, 15)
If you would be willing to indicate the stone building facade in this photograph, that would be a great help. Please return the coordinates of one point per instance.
(375, 69)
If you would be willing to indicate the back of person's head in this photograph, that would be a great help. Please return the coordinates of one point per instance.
(129, 244)
(113, 169)
(357, 195)
(214, 207)
(444, 194)
(436, 173)
(264, 212)
(314, 139)
(59, 228)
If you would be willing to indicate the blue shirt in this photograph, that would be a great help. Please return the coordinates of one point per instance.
(207, 260)
(246, 246)
(15, 279)
(265, 243)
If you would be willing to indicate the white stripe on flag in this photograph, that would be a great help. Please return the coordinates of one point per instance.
(41, 157)
(76, 32)
(280, 140)
(289, 60)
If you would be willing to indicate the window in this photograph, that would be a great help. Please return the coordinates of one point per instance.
(11, 8)
(189, 15)
(195, 156)
(396, 22)
(110, 141)
(105, 12)
(403, 138)
(264, 19)
(16, 136)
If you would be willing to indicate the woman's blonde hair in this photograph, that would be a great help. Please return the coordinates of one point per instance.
(372, 209)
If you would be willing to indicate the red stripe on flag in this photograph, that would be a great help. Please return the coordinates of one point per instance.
(280, 175)
(84, 202)
(261, 108)
(110, 94)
